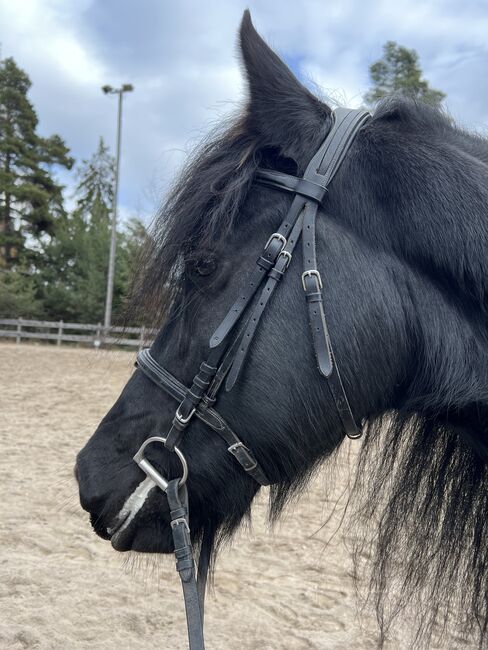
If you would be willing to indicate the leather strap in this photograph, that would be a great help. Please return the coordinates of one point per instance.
(165, 380)
(282, 181)
(264, 263)
(274, 276)
(319, 173)
(312, 285)
(325, 163)
(185, 565)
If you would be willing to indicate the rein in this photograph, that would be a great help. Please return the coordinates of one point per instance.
(227, 355)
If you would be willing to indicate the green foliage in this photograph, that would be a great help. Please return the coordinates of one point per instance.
(30, 198)
(73, 276)
(53, 264)
(399, 71)
(18, 295)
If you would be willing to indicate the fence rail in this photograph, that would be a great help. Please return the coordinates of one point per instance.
(95, 335)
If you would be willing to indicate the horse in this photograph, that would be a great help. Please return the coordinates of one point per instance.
(402, 235)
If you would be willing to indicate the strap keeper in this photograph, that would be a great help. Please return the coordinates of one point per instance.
(201, 383)
(315, 296)
(205, 367)
(194, 397)
(275, 274)
(264, 263)
(207, 402)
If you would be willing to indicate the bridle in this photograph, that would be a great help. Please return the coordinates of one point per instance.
(231, 341)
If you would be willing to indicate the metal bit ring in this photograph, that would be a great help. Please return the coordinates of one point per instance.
(151, 471)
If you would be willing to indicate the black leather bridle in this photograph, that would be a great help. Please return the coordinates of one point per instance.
(231, 342)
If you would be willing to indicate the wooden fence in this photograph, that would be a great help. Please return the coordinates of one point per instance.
(59, 332)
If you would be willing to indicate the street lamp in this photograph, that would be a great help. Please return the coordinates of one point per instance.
(108, 90)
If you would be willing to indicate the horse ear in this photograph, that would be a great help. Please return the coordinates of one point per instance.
(281, 112)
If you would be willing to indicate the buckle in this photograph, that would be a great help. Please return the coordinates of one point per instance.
(287, 256)
(244, 456)
(178, 521)
(276, 235)
(312, 273)
(181, 419)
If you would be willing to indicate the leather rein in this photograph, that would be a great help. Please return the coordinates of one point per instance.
(231, 341)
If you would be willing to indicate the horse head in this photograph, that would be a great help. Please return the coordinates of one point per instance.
(401, 238)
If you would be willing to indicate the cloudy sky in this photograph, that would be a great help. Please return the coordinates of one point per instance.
(182, 59)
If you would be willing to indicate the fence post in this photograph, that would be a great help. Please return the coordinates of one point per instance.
(60, 333)
(142, 337)
(19, 330)
(97, 342)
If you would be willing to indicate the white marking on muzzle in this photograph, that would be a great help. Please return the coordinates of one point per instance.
(132, 505)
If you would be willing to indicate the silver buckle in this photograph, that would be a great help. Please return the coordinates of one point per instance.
(312, 273)
(276, 235)
(287, 255)
(180, 520)
(247, 452)
(183, 420)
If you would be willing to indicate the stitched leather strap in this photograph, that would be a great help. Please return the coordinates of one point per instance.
(281, 181)
(312, 285)
(165, 380)
(178, 504)
(264, 263)
(274, 276)
(320, 171)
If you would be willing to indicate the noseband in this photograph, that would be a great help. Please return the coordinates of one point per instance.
(231, 341)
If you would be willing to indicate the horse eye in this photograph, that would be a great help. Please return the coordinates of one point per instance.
(205, 266)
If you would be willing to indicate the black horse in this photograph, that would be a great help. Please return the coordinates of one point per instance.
(402, 241)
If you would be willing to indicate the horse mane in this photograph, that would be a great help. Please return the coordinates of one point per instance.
(200, 210)
(421, 489)
(420, 495)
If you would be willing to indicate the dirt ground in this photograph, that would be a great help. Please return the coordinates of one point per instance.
(62, 587)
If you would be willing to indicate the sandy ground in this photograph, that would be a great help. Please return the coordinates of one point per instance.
(62, 587)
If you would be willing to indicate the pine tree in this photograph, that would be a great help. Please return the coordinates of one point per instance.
(73, 277)
(75, 260)
(399, 71)
(30, 198)
(95, 187)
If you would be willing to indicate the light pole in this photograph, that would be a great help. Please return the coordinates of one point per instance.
(108, 90)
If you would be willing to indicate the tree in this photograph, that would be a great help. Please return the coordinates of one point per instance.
(30, 198)
(95, 189)
(18, 295)
(399, 71)
(74, 263)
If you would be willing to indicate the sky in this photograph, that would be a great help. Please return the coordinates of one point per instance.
(183, 61)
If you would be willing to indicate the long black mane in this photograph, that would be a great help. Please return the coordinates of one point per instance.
(201, 210)
(422, 479)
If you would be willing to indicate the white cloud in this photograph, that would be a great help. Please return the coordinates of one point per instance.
(181, 58)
